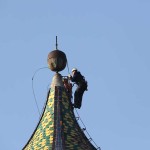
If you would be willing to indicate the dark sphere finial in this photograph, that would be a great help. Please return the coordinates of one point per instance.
(56, 60)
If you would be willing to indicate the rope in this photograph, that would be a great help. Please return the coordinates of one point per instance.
(84, 129)
(35, 99)
(34, 91)
(68, 68)
(38, 71)
(79, 118)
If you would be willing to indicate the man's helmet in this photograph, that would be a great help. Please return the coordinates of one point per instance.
(74, 69)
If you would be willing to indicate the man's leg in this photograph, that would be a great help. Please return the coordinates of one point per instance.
(76, 98)
(80, 99)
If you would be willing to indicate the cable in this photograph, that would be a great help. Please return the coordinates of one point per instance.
(38, 70)
(84, 129)
(35, 99)
(33, 89)
(68, 68)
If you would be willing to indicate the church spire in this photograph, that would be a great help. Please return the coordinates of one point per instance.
(58, 128)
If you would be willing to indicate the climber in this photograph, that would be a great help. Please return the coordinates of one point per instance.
(68, 86)
(78, 79)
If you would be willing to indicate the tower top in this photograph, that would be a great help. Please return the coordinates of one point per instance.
(57, 59)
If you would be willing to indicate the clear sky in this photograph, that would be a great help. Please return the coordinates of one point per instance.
(108, 41)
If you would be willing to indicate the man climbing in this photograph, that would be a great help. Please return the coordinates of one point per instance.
(78, 79)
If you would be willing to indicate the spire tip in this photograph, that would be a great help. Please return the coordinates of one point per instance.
(56, 44)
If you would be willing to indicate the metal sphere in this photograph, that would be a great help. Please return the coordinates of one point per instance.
(57, 60)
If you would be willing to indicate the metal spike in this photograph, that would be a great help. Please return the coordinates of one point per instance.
(56, 44)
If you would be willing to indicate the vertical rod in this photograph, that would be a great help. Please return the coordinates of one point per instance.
(56, 44)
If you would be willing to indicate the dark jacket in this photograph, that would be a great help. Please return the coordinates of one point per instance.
(79, 80)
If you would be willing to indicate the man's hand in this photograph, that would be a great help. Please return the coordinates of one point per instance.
(69, 76)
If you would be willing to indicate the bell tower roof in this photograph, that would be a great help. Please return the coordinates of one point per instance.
(58, 127)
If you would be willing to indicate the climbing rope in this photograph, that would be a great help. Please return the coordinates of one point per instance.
(84, 129)
(68, 68)
(33, 89)
(79, 118)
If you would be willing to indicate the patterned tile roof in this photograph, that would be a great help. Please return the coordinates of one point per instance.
(58, 128)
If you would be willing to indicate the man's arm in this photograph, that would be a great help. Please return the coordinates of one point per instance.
(73, 78)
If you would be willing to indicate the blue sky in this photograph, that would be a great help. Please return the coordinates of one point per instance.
(108, 41)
